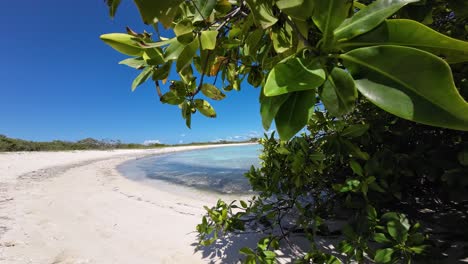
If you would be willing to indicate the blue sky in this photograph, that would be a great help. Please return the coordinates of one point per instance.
(59, 81)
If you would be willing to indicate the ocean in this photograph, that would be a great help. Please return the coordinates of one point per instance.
(215, 169)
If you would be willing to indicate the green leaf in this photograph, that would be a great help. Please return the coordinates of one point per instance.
(397, 231)
(294, 113)
(246, 251)
(208, 39)
(164, 11)
(281, 39)
(113, 5)
(368, 18)
(356, 167)
(142, 77)
(339, 92)
(298, 9)
(153, 56)
(404, 32)
(383, 255)
(123, 43)
(203, 9)
(328, 15)
(136, 63)
(184, 31)
(355, 130)
(162, 72)
(295, 74)
(205, 108)
(253, 42)
(187, 115)
(269, 107)
(262, 11)
(186, 56)
(243, 204)
(212, 92)
(172, 98)
(409, 83)
(381, 238)
(173, 51)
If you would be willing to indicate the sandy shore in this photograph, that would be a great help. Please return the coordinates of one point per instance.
(74, 207)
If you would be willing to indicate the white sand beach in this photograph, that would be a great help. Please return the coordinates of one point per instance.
(74, 207)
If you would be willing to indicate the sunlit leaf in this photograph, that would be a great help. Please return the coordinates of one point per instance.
(295, 74)
(142, 77)
(123, 43)
(420, 89)
(369, 17)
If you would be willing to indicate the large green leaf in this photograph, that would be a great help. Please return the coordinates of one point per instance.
(203, 9)
(298, 9)
(269, 107)
(294, 113)
(186, 56)
(410, 33)
(123, 43)
(338, 92)
(142, 77)
(164, 11)
(369, 17)
(205, 108)
(295, 74)
(172, 98)
(208, 39)
(153, 56)
(262, 11)
(409, 83)
(328, 15)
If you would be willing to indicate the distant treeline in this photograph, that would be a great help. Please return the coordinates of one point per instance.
(13, 144)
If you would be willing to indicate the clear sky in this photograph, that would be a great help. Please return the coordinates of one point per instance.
(58, 80)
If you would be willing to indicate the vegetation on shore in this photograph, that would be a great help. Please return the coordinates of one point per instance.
(381, 87)
(8, 144)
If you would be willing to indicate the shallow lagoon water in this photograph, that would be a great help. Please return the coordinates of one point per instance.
(216, 169)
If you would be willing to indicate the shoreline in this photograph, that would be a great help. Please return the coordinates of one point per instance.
(75, 207)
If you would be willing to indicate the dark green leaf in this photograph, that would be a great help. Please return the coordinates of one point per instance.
(186, 56)
(164, 11)
(153, 56)
(294, 74)
(184, 31)
(328, 15)
(409, 83)
(123, 43)
(298, 9)
(339, 92)
(356, 167)
(212, 92)
(113, 5)
(355, 130)
(172, 98)
(381, 238)
(142, 77)
(262, 11)
(294, 113)
(173, 51)
(162, 72)
(404, 32)
(204, 9)
(383, 255)
(368, 18)
(269, 107)
(205, 108)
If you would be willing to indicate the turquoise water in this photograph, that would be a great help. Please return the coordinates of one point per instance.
(218, 169)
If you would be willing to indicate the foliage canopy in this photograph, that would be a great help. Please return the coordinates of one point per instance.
(353, 73)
